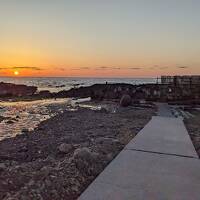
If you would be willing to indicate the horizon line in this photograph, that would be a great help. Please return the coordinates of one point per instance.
(76, 77)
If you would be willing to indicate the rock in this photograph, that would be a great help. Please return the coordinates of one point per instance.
(2, 166)
(101, 126)
(85, 160)
(9, 89)
(25, 130)
(23, 149)
(107, 145)
(125, 100)
(196, 139)
(197, 146)
(2, 118)
(98, 95)
(82, 153)
(103, 110)
(44, 93)
(107, 141)
(109, 156)
(65, 148)
(10, 122)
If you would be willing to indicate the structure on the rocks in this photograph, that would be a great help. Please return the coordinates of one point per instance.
(181, 80)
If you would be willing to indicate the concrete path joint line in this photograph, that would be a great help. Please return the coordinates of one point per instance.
(169, 154)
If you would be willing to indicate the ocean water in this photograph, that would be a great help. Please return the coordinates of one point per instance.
(28, 115)
(58, 84)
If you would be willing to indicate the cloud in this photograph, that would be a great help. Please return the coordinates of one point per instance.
(116, 68)
(154, 67)
(182, 67)
(166, 67)
(163, 67)
(158, 67)
(61, 68)
(107, 68)
(102, 68)
(13, 68)
(81, 68)
(32, 68)
(4, 68)
(134, 68)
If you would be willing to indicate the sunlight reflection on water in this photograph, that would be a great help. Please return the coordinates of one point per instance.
(27, 115)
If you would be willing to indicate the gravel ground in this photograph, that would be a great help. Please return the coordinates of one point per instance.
(193, 127)
(61, 157)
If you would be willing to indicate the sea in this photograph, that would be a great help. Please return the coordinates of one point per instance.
(25, 116)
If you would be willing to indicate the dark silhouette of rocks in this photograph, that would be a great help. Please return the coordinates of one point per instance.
(148, 92)
(9, 90)
(45, 94)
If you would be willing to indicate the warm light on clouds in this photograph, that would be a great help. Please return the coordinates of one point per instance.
(97, 71)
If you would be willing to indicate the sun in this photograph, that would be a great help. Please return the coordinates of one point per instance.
(16, 73)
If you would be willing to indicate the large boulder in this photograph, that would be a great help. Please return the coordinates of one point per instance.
(125, 100)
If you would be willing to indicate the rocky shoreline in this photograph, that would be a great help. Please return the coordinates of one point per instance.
(169, 92)
(61, 157)
(64, 154)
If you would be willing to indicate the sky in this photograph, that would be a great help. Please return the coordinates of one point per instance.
(99, 38)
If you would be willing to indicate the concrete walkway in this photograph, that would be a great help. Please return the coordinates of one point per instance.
(164, 135)
(160, 163)
(164, 110)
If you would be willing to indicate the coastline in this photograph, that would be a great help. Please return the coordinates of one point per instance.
(68, 149)
(66, 152)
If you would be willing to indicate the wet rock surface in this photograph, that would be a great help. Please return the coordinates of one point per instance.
(19, 117)
(61, 157)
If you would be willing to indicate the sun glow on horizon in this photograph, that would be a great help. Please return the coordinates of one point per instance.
(16, 73)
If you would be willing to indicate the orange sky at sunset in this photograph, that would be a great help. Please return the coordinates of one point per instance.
(99, 38)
